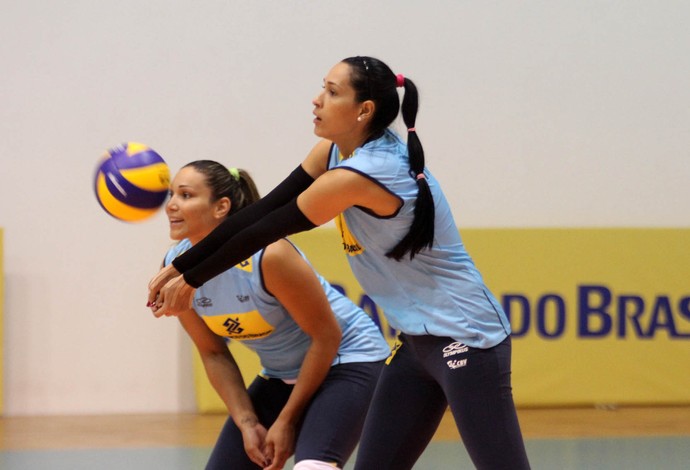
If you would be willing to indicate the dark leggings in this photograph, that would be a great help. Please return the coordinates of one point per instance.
(427, 374)
(331, 425)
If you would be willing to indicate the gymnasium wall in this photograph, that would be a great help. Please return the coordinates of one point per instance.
(2, 302)
(534, 115)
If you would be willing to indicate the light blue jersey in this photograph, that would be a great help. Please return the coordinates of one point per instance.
(439, 292)
(236, 305)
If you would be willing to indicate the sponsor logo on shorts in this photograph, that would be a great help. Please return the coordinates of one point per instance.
(454, 348)
(457, 363)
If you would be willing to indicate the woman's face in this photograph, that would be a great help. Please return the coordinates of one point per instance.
(335, 107)
(190, 211)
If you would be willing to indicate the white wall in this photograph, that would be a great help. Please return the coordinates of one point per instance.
(534, 113)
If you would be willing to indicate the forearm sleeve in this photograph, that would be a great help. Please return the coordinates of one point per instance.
(280, 223)
(290, 188)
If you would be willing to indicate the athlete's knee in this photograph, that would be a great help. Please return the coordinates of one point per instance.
(315, 465)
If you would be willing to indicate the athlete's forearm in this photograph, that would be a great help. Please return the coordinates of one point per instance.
(226, 378)
(276, 225)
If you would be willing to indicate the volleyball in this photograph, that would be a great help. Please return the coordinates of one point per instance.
(131, 182)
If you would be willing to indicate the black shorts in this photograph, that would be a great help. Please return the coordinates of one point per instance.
(331, 425)
(425, 375)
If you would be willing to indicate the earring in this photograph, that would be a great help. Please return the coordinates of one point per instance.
(359, 118)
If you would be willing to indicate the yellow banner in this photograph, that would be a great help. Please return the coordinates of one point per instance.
(599, 316)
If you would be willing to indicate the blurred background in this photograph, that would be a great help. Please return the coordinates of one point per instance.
(536, 115)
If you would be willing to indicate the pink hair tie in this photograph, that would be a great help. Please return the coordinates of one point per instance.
(420, 177)
(399, 80)
(412, 129)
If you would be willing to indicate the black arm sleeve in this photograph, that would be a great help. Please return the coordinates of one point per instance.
(274, 226)
(290, 188)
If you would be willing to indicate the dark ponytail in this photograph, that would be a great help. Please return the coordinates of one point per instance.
(233, 183)
(374, 80)
(421, 234)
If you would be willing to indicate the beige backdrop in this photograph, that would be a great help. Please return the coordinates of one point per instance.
(600, 316)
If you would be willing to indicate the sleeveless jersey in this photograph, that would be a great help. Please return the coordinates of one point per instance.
(236, 305)
(440, 291)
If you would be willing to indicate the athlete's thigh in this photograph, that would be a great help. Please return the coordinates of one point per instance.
(229, 450)
(268, 398)
(477, 385)
(405, 412)
(333, 421)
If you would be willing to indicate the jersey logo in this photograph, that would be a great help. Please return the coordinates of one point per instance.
(203, 302)
(232, 326)
(350, 244)
(245, 265)
(239, 326)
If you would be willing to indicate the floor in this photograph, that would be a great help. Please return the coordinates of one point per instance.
(564, 439)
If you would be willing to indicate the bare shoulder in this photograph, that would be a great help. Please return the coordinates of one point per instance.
(287, 275)
(316, 162)
(282, 264)
(340, 188)
(278, 254)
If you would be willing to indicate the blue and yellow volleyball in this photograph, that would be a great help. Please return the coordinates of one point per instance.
(132, 182)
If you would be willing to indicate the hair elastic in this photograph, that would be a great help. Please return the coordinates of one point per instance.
(420, 176)
(412, 129)
(399, 80)
(235, 173)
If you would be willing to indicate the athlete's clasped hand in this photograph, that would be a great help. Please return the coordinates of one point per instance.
(269, 449)
(169, 294)
(253, 437)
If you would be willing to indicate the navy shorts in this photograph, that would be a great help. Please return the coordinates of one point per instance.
(331, 425)
(427, 374)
